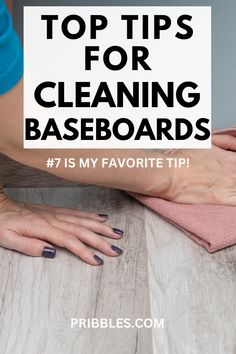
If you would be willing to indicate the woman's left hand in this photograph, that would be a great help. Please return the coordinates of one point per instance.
(35, 230)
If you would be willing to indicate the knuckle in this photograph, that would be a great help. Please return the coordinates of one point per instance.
(82, 252)
(37, 219)
(108, 230)
(67, 240)
(27, 249)
(101, 244)
(103, 229)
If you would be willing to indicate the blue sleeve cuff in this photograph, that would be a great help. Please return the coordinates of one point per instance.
(11, 53)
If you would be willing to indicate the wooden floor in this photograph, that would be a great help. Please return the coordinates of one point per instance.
(161, 274)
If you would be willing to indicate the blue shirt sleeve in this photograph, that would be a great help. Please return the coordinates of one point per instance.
(11, 53)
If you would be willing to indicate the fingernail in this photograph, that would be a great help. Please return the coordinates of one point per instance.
(98, 259)
(116, 249)
(49, 252)
(105, 216)
(118, 231)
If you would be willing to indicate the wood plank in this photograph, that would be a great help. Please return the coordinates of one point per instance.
(194, 292)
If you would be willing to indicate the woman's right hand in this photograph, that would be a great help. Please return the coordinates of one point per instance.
(35, 230)
(210, 178)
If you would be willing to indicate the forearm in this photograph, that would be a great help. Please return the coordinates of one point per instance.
(151, 181)
(132, 179)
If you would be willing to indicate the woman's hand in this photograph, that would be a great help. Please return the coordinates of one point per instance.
(210, 178)
(35, 229)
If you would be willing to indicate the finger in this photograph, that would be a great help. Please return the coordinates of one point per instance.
(64, 238)
(73, 244)
(102, 217)
(29, 246)
(93, 225)
(90, 238)
(225, 142)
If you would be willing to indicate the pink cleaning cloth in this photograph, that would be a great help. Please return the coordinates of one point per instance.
(211, 226)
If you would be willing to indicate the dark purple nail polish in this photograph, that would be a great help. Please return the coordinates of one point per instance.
(98, 259)
(105, 216)
(49, 252)
(118, 231)
(116, 249)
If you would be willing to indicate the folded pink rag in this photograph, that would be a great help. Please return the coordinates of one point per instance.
(211, 226)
